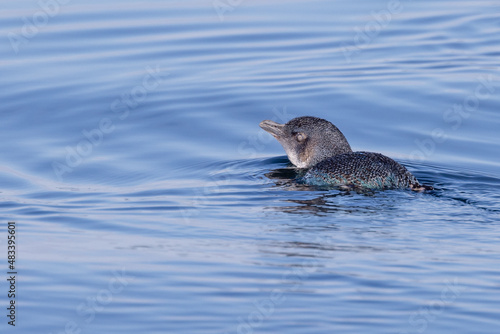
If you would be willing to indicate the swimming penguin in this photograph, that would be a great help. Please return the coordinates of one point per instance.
(318, 145)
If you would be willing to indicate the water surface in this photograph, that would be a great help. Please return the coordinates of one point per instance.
(147, 199)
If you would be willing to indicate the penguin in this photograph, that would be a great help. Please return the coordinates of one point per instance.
(318, 146)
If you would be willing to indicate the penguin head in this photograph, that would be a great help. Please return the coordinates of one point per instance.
(308, 140)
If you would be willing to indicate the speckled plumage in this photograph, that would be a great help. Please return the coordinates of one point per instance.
(361, 170)
(317, 144)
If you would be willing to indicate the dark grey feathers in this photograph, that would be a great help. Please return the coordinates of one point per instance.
(317, 144)
(361, 170)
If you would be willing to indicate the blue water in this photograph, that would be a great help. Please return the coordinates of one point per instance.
(148, 200)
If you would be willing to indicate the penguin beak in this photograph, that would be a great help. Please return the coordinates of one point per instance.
(273, 128)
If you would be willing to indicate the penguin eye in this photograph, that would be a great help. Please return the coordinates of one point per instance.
(301, 137)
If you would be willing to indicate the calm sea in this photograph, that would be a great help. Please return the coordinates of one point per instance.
(146, 198)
